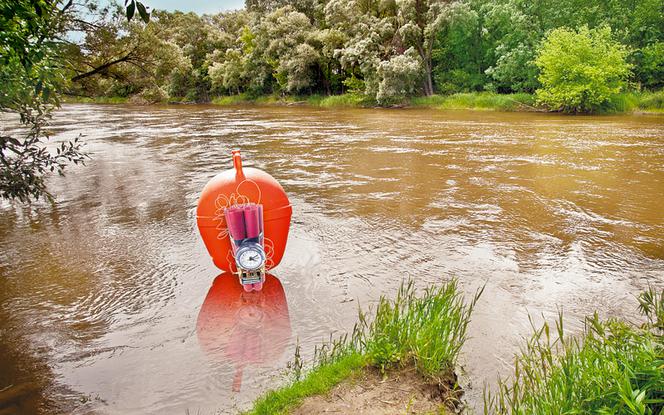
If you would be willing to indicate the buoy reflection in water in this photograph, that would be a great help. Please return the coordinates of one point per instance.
(247, 328)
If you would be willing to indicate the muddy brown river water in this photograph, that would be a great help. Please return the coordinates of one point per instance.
(109, 302)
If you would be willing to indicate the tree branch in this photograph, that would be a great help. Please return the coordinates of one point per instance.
(101, 68)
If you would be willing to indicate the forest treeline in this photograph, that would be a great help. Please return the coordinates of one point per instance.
(384, 49)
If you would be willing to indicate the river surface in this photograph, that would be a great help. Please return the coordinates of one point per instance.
(109, 303)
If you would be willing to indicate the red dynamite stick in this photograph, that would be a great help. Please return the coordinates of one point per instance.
(260, 218)
(251, 221)
(235, 223)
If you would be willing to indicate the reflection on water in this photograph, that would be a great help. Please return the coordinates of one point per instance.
(101, 292)
(246, 328)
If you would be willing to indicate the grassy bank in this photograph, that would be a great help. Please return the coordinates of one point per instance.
(646, 102)
(613, 367)
(425, 332)
(475, 101)
(324, 101)
(70, 99)
(478, 101)
(628, 102)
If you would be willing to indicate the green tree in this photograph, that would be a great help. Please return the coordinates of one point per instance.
(581, 71)
(399, 77)
(458, 51)
(30, 79)
(419, 21)
(370, 32)
(513, 47)
(650, 65)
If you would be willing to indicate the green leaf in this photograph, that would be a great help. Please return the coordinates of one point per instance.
(145, 16)
(131, 8)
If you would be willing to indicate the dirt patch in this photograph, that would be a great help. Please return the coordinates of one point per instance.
(399, 391)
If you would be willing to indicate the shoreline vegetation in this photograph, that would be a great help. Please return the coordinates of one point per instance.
(576, 56)
(420, 334)
(412, 344)
(625, 103)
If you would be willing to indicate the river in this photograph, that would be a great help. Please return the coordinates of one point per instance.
(109, 302)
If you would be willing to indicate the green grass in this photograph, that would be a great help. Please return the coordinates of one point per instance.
(650, 102)
(613, 368)
(94, 100)
(426, 331)
(318, 381)
(346, 100)
(315, 100)
(646, 102)
(478, 101)
(475, 100)
(640, 102)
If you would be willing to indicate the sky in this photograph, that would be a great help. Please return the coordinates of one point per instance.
(198, 6)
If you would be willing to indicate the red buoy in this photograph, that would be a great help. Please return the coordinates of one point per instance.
(236, 190)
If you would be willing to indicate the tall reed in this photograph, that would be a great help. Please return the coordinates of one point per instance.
(613, 368)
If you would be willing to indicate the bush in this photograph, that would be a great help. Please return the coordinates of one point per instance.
(457, 80)
(652, 101)
(399, 77)
(580, 71)
(613, 368)
(650, 66)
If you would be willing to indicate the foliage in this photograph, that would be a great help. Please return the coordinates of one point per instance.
(30, 77)
(581, 70)
(398, 77)
(427, 331)
(650, 65)
(651, 101)
(131, 6)
(386, 50)
(614, 368)
(651, 305)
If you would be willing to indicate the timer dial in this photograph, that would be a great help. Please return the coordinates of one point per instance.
(251, 257)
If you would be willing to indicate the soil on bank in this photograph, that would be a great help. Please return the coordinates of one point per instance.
(399, 391)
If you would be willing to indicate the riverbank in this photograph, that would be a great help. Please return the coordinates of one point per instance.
(409, 350)
(472, 101)
(612, 367)
(629, 102)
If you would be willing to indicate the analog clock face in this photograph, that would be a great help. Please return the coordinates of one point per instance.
(250, 258)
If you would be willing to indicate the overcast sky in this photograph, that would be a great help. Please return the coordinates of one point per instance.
(198, 6)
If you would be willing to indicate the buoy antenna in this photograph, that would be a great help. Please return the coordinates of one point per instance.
(237, 162)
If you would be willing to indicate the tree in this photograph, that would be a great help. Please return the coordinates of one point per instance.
(650, 66)
(31, 77)
(420, 21)
(457, 56)
(581, 71)
(513, 49)
(370, 36)
(399, 77)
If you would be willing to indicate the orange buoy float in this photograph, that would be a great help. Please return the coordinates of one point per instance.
(243, 216)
